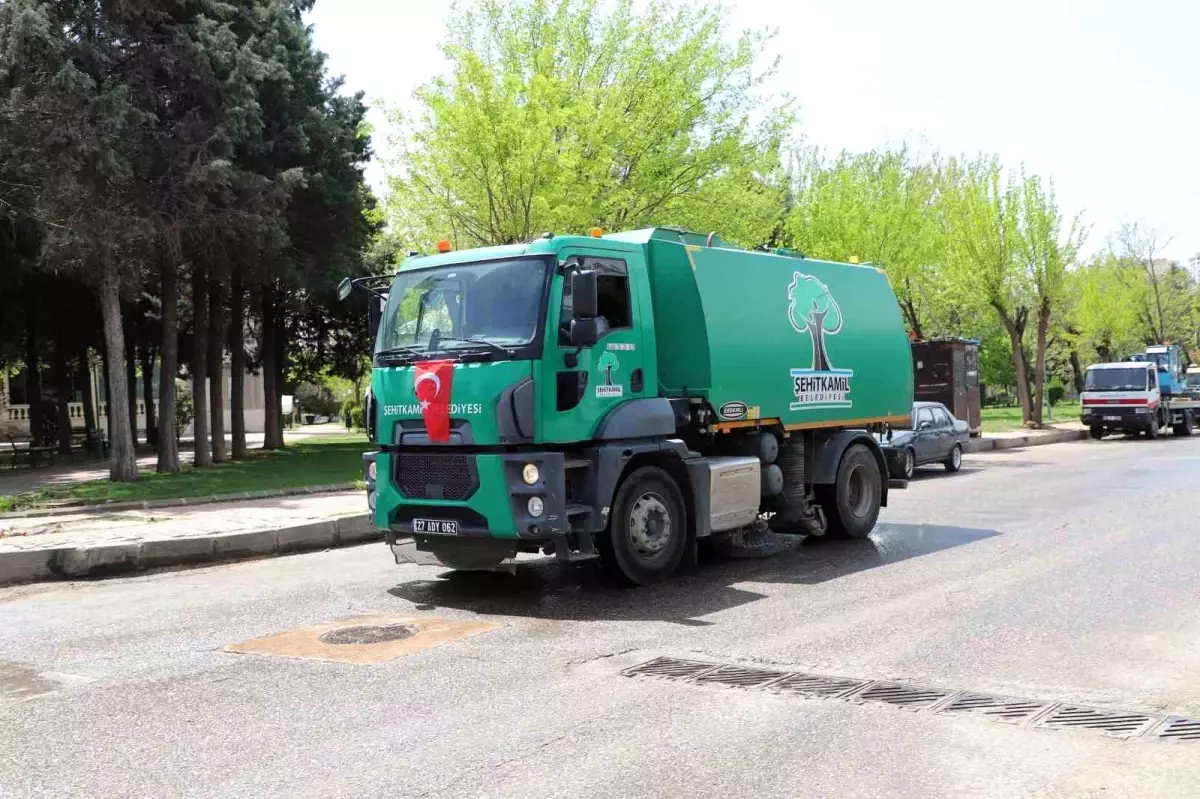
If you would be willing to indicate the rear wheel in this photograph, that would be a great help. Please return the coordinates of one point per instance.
(647, 530)
(954, 462)
(1184, 428)
(852, 503)
(1096, 432)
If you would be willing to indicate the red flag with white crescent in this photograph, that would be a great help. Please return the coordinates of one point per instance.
(431, 383)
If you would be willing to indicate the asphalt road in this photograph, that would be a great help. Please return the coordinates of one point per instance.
(1067, 573)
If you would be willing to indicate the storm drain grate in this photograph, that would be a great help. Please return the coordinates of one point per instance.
(1014, 710)
(1000, 708)
(670, 667)
(1111, 722)
(1178, 728)
(818, 686)
(740, 676)
(909, 696)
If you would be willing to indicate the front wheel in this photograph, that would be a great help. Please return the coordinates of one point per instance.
(852, 503)
(1152, 429)
(954, 462)
(910, 464)
(647, 530)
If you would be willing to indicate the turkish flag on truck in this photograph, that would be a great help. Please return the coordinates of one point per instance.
(431, 384)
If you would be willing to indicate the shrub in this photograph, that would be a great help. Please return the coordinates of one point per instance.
(316, 400)
(1055, 391)
(185, 410)
(358, 419)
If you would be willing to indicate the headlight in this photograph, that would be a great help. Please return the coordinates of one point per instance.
(371, 470)
(530, 474)
(536, 507)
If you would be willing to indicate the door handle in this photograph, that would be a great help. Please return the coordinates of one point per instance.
(636, 381)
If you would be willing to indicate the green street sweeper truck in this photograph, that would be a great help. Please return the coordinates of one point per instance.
(624, 397)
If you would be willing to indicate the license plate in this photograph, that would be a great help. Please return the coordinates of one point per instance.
(1112, 418)
(435, 526)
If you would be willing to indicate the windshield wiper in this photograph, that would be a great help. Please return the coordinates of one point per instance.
(493, 346)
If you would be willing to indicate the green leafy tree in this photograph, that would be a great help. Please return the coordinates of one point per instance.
(558, 115)
(813, 310)
(875, 207)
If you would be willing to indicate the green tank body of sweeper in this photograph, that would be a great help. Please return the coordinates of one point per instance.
(621, 397)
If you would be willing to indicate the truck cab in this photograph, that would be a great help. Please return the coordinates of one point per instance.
(623, 397)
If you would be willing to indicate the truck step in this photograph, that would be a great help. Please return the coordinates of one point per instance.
(578, 510)
(577, 463)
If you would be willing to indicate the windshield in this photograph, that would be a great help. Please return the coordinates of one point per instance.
(1132, 379)
(491, 304)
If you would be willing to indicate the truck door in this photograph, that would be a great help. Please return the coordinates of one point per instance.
(576, 396)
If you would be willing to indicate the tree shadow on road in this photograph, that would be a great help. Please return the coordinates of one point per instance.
(544, 589)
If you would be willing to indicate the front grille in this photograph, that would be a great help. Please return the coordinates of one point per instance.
(436, 476)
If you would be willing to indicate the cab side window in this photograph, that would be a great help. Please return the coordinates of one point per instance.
(616, 307)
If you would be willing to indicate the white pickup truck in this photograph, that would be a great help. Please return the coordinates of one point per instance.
(1125, 397)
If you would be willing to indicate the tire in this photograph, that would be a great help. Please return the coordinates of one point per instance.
(1152, 429)
(910, 464)
(1095, 432)
(954, 462)
(647, 529)
(852, 503)
(1184, 428)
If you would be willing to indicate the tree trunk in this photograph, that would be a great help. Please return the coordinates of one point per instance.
(89, 397)
(216, 366)
(33, 382)
(1016, 334)
(272, 437)
(123, 461)
(131, 379)
(62, 390)
(237, 365)
(1076, 371)
(105, 372)
(281, 359)
(1039, 360)
(147, 350)
(200, 365)
(168, 440)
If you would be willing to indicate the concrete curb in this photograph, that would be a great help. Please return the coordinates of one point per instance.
(1031, 440)
(77, 506)
(100, 560)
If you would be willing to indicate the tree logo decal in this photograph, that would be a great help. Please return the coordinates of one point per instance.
(607, 364)
(812, 309)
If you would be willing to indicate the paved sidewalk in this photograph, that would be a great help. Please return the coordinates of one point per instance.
(96, 542)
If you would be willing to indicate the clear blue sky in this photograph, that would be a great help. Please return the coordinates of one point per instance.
(1101, 95)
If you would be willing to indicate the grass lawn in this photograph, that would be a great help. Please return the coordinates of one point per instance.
(1001, 420)
(311, 461)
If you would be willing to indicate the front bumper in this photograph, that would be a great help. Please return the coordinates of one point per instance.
(494, 505)
(1118, 418)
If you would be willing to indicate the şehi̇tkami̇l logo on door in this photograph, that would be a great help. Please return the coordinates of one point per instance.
(812, 309)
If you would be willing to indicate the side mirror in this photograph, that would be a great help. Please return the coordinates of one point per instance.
(585, 295)
(344, 288)
(374, 316)
(1162, 368)
(585, 332)
(925, 425)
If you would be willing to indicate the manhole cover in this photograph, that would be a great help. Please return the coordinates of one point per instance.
(369, 634)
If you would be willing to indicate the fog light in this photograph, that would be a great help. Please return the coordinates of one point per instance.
(371, 471)
(530, 474)
(536, 507)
